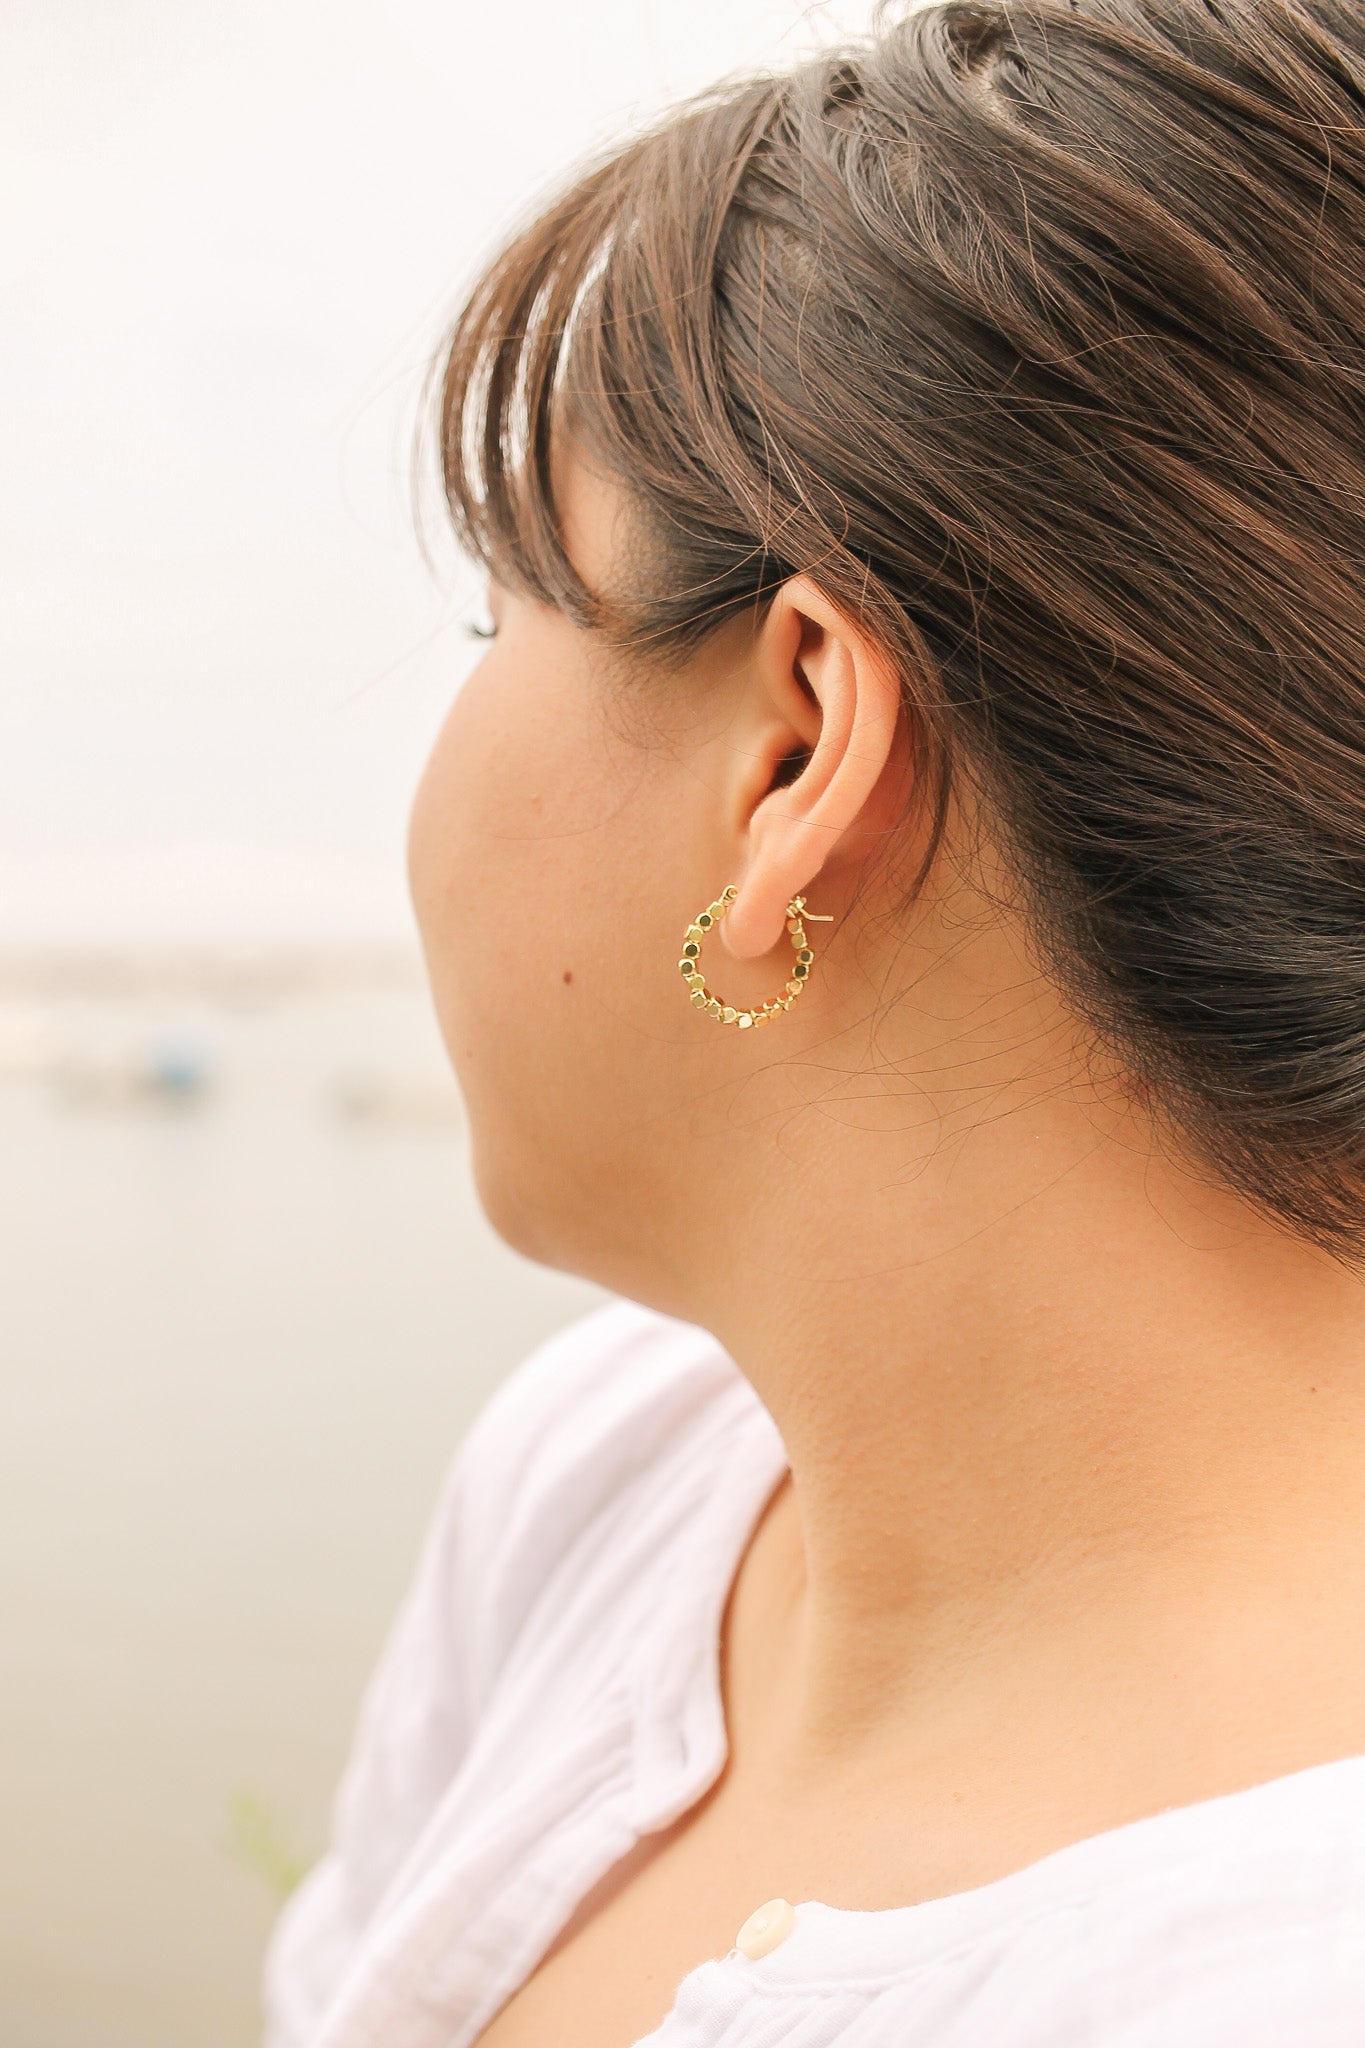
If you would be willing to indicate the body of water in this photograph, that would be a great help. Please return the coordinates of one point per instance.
(250, 1304)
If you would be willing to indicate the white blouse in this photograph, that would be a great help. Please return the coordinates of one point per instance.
(550, 1691)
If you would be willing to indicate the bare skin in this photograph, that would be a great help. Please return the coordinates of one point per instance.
(1075, 1528)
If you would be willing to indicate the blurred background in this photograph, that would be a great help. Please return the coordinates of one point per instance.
(249, 1300)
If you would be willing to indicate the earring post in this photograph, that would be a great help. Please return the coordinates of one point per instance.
(798, 904)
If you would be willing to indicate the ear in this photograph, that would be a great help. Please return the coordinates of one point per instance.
(827, 686)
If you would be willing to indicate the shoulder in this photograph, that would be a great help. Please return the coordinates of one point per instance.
(622, 1376)
(620, 1399)
(603, 1405)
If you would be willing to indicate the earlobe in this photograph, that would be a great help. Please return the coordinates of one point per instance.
(799, 826)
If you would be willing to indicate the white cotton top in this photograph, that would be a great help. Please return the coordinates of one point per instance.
(550, 1691)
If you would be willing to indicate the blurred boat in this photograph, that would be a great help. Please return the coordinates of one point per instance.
(172, 1074)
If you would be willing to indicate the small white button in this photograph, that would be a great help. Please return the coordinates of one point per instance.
(765, 1928)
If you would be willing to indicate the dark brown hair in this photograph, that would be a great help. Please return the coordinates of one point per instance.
(1035, 333)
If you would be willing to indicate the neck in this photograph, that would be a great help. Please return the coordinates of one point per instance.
(1041, 1393)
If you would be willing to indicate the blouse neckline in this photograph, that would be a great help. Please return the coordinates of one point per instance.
(680, 1745)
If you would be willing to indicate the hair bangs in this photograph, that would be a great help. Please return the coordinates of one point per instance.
(500, 392)
(595, 321)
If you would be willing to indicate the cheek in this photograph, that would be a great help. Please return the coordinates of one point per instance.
(473, 857)
(438, 820)
(546, 889)
(514, 861)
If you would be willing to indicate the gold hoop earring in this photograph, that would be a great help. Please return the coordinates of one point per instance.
(725, 1013)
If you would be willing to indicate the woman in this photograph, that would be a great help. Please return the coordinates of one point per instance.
(925, 493)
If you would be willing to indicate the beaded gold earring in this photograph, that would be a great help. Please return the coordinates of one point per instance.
(725, 1013)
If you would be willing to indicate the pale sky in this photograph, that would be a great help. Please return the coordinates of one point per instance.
(229, 239)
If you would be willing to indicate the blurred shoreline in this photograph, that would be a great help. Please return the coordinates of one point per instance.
(156, 1026)
(230, 970)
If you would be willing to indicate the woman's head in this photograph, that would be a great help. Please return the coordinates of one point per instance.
(997, 378)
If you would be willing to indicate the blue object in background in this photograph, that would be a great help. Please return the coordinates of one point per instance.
(176, 1073)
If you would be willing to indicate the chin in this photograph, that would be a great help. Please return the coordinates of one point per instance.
(550, 1219)
(507, 1198)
